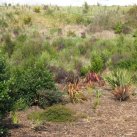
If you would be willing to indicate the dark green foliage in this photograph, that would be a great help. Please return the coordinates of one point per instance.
(22, 38)
(5, 99)
(37, 9)
(118, 28)
(20, 104)
(135, 34)
(4, 91)
(27, 20)
(28, 82)
(84, 71)
(85, 8)
(49, 97)
(127, 64)
(3, 131)
(97, 63)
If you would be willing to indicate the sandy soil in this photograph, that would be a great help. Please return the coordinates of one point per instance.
(111, 119)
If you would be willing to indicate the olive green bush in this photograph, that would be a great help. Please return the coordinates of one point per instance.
(97, 63)
(5, 98)
(35, 86)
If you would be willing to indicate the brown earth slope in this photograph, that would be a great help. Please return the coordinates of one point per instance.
(110, 119)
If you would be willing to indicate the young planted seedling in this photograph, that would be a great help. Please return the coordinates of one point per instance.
(97, 99)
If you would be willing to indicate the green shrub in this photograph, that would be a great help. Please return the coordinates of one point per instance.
(3, 131)
(28, 82)
(4, 91)
(57, 113)
(135, 34)
(130, 64)
(36, 9)
(97, 63)
(84, 71)
(5, 98)
(85, 8)
(49, 97)
(20, 104)
(118, 28)
(27, 20)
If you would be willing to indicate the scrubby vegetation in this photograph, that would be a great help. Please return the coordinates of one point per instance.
(51, 55)
(54, 114)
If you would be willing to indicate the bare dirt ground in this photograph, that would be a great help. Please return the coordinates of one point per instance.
(111, 119)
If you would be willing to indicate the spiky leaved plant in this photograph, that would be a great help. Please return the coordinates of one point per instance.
(120, 80)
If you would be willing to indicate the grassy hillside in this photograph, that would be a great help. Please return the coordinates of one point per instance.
(50, 53)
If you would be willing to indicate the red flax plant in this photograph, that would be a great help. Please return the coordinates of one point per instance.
(93, 78)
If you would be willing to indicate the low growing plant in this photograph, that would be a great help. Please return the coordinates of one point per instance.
(57, 113)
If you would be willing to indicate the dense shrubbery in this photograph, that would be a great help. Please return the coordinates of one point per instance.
(5, 98)
(96, 63)
(36, 86)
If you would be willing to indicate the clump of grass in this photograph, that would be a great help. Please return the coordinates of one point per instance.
(27, 20)
(97, 100)
(57, 113)
(36, 9)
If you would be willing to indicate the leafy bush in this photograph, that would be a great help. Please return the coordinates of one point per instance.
(135, 34)
(84, 71)
(28, 82)
(85, 8)
(20, 104)
(130, 64)
(27, 20)
(49, 97)
(5, 99)
(4, 92)
(118, 28)
(97, 63)
(3, 131)
(121, 28)
(36, 9)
